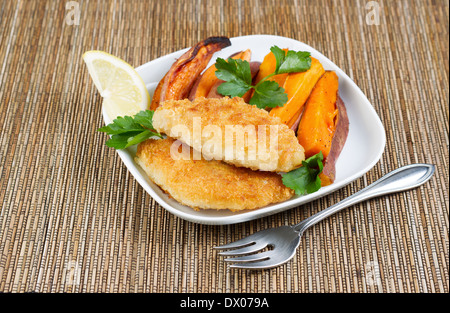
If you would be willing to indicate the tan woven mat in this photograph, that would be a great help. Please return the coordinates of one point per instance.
(73, 219)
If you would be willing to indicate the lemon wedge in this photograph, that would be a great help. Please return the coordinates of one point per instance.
(122, 89)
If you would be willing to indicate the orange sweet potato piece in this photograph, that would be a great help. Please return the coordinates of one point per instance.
(203, 83)
(213, 93)
(298, 87)
(318, 123)
(324, 124)
(267, 67)
(206, 81)
(181, 76)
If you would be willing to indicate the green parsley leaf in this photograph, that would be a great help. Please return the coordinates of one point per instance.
(295, 62)
(280, 55)
(237, 77)
(292, 61)
(236, 73)
(127, 131)
(305, 179)
(121, 125)
(145, 118)
(268, 94)
(120, 141)
(233, 89)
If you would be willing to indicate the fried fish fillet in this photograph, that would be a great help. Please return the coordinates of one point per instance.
(232, 131)
(203, 184)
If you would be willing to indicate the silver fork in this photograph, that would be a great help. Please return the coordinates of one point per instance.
(272, 247)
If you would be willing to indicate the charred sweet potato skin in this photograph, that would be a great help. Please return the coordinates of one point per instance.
(180, 78)
(340, 137)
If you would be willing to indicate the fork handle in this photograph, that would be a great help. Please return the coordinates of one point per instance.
(401, 179)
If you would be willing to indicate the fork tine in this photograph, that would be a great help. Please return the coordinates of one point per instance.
(260, 265)
(244, 241)
(245, 250)
(237, 244)
(250, 258)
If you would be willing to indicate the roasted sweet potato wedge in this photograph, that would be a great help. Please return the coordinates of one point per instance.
(324, 124)
(298, 87)
(181, 76)
(318, 124)
(206, 81)
(157, 95)
(295, 120)
(267, 67)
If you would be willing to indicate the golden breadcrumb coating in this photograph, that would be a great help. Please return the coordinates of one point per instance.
(245, 132)
(203, 184)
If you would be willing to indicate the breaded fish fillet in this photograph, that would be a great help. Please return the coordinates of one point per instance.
(231, 130)
(203, 184)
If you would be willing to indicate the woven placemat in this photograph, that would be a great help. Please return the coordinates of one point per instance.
(72, 219)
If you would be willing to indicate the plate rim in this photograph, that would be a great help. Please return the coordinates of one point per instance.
(240, 217)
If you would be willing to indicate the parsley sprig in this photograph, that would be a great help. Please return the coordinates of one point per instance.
(238, 80)
(305, 179)
(130, 130)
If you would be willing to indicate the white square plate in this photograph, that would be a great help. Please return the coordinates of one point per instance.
(363, 148)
